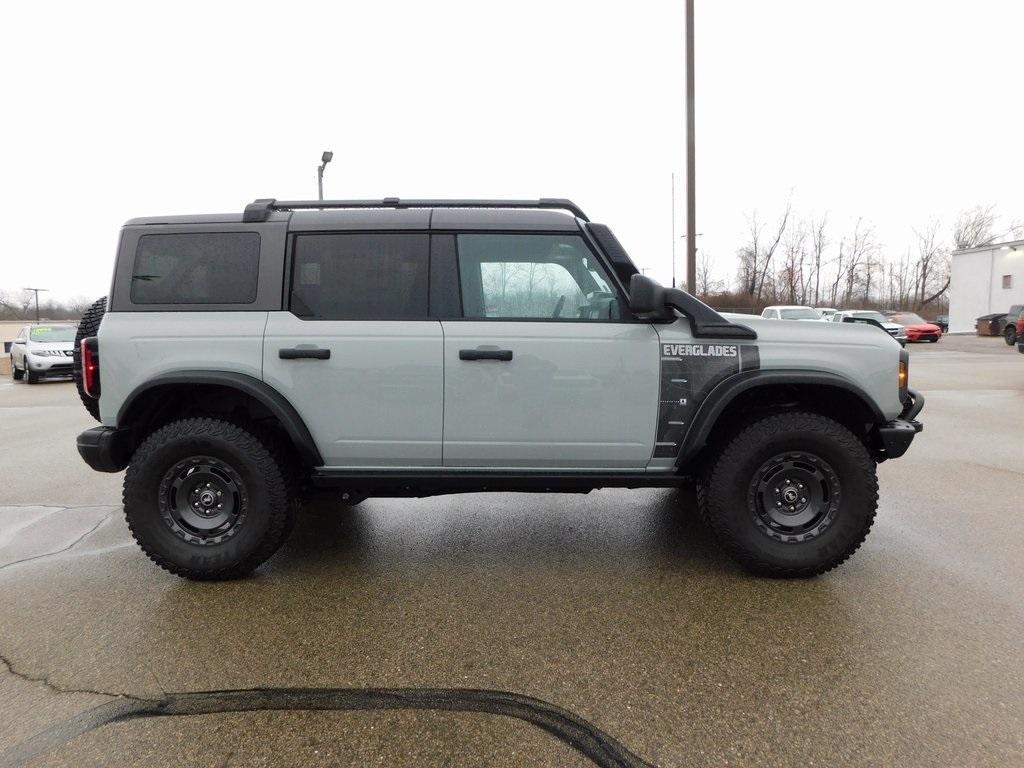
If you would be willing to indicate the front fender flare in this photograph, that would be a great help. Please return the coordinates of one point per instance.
(722, 395)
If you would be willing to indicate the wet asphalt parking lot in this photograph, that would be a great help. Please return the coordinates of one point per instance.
(526, 629)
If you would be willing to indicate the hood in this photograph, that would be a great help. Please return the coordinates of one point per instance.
(812, 332)
(893, 327)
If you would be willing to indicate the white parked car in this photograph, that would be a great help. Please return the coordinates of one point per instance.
(43, 350)
(897, 331)
(791, 312)
(826, 312)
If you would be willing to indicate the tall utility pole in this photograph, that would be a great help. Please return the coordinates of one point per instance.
(691, 202)
(673, 229)
(36, 291)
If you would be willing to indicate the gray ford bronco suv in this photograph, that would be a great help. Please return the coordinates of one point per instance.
(421, 347)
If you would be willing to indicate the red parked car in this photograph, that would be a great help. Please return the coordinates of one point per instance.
(918, 329)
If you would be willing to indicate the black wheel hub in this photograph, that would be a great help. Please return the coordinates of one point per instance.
(203, 500)
(794, 496)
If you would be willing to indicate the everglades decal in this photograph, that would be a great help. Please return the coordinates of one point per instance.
(688, 373)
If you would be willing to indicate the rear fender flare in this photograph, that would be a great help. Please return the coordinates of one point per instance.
(276, 403)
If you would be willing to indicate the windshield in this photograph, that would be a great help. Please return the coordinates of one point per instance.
(50, 333)
(908, 318)
(878, 316)
(799, 313)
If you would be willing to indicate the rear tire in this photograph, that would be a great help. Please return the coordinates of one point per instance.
(16, 373)
(88, 327)
(1010, 334)
(207, 500)
(753, 496)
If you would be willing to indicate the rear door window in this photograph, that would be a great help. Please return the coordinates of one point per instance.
(196, 268)
(360, 276)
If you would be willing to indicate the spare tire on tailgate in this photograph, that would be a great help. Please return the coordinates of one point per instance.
(88, 327)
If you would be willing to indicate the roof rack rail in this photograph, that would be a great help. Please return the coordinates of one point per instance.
(259, 210)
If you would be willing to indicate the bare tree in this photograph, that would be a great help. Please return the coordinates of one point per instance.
(780, 230)
(706, 284)
(819, 241)
(932, 265)
(791, 277)
(975, 227)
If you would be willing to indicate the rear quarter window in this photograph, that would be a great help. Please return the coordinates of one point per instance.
(196, 268)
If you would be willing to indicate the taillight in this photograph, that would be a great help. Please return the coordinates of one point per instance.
(91, 366)
(904, 375)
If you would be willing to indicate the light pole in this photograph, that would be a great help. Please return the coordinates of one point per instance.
(36, 291)
(691, 271)
(324, 160)
(673, 229)
(691, 202)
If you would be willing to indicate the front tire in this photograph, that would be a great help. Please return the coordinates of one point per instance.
(207, 500)
(1010, 335)
(31, 376)
(16, 373)
(791, 495)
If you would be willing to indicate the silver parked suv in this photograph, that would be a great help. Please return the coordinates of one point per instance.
(41, 351)
(421, 347)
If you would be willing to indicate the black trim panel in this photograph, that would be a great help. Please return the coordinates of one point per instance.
(105, 449)
(689, 373)
(260, 391)
(403, 483)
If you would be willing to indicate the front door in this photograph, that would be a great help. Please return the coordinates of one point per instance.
(356, 353)
(542, 371)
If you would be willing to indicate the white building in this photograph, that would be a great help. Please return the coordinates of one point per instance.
(984, 281)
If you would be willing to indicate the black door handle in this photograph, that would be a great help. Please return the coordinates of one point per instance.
(485, 354)
(295, 353)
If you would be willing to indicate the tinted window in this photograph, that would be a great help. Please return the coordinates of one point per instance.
(800, 313)
(533, 277)
(196, 268)
(360, 276)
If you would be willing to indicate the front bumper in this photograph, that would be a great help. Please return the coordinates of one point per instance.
(49, 366)
(897, 435)
(105, 449)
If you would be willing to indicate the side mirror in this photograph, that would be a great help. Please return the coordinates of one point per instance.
(650, 301)
(646, 297)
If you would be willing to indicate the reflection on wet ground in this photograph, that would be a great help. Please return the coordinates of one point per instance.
(616, 607)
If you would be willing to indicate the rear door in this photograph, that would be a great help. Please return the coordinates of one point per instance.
(542, 370)
(356, 352)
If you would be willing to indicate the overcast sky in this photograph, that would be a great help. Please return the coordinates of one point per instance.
(898, 111)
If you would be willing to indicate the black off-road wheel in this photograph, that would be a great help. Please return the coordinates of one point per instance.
(791, 495)
(88, 327)
(207, 500)
(1010, 334)
(16, 373)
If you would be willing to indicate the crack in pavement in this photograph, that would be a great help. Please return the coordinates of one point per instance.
(81, 538)
(56, 688)
(579, 734)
